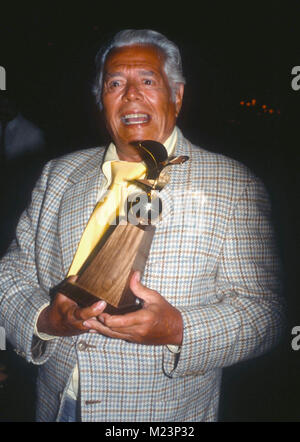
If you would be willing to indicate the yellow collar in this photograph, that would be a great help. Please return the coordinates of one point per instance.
(111, 154)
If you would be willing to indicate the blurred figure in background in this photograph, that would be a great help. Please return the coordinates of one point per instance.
(17, 134)
(22, 154)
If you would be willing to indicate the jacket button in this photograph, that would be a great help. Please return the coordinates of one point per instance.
(82, 345)
(20, 353)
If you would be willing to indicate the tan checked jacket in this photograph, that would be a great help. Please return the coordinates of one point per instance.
(212, 257)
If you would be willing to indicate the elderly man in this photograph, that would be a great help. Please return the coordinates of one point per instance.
(210, 286)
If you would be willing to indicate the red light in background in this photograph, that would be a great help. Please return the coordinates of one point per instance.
(260, 107)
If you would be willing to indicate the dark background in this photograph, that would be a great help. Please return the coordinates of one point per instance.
(232, 53)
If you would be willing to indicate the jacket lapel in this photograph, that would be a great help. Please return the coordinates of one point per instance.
(179, 176)
(78, 203)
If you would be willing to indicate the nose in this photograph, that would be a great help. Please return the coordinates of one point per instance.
(132, 92)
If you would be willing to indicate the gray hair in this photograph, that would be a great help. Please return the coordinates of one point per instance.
(129, 37)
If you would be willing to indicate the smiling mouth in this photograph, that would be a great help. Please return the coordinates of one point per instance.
(130, 119)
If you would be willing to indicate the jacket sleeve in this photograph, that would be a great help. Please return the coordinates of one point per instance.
(248, 318)
(21, 297)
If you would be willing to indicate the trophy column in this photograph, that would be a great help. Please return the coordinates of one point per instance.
(108, 274)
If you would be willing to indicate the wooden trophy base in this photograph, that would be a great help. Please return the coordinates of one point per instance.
(107, 273)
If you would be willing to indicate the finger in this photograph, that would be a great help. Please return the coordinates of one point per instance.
(88, 312)
(141, 291)
(83, 325)
(100, 325)
(80, 313)
(95, 326)
(72, 278)
(127, 320)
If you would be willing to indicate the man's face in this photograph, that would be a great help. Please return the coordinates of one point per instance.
(137, 97)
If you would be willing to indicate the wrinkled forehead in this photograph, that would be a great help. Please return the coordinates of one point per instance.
(139, 56)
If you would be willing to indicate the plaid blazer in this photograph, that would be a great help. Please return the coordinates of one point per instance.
(212, 256)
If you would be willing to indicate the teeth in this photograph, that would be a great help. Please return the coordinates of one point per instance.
(135, 118)
(135, 122)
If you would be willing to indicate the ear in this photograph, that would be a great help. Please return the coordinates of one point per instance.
(178, 98)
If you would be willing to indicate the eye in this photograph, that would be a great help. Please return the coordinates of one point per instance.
(113, 84)
(148, 82)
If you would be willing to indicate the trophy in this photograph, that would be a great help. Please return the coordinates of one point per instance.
(124, 248)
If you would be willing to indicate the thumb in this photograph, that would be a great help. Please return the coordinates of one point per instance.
(72, 278)
(139, 290)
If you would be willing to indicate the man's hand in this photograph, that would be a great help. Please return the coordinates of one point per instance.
(157, 323)
(63, 317)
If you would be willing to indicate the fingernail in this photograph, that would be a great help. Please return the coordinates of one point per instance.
(101, 304)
